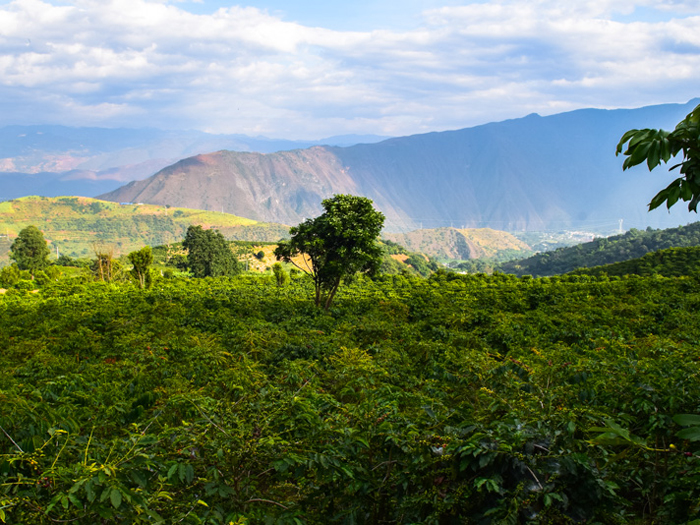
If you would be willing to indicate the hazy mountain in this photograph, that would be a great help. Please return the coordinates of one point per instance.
(59, 160)
(533, 173)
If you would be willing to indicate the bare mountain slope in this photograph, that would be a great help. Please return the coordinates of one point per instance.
(286, 185)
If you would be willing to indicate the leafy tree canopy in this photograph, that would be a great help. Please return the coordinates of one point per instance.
(208, 253)
(657, 145)
(335, 245)
(141, 259)
(30, 251)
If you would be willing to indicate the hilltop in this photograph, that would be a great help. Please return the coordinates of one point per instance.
(73, 225)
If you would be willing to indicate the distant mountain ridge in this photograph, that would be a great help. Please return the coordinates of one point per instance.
(59, 160)
(533, 173)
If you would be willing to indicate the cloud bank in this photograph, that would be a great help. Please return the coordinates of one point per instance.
(137, 63)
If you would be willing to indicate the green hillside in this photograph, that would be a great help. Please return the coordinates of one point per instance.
(630, 245)
(75, 224)
(671, 262)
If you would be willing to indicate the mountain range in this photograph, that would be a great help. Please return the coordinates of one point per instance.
(59, 160)
(557, 172)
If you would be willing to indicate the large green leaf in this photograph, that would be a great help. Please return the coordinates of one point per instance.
(687, 420)
(691, 434)
(115, 497)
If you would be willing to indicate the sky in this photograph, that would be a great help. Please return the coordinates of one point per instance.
(311, 69)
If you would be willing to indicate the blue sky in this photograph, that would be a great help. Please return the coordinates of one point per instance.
(360, 15)
(311, 69)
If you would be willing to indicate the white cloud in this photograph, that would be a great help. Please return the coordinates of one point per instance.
(243, 70)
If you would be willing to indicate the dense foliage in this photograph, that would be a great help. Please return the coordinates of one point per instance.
(208, 253)
(630, 245)
(655, 146)
(457, 399)
(141, 261)
(29, 250)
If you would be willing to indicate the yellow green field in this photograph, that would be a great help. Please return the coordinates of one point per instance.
(75, 226)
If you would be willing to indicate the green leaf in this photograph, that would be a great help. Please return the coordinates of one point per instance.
(182, 472)
(75, 501)
(658, 199)
(673, 196)
(654, 155)
(189, 473)
(90, 491)
(76, 486)
(105, 494)
(687, 420)
(639, 153)
(691, 434)
(625, 138)
(115, 497)
(686, 191)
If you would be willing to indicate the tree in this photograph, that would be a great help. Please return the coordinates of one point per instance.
(335, 245)
(141, 259)
(657, 145)
(105, 267)
(281, 277)
(30, 251)
(208, 254)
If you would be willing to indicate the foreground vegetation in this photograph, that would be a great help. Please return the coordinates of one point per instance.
(454, 399)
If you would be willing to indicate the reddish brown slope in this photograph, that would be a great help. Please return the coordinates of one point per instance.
(281, 187)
